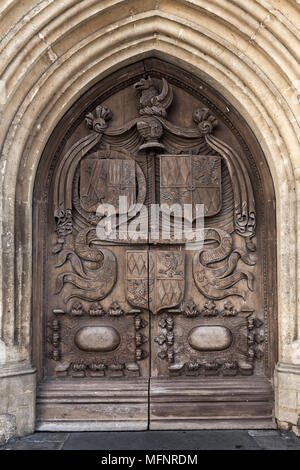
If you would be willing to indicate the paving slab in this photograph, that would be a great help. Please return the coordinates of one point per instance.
(161, 440)
(46, 436)
(275, 440)
(37, 441)
(158, 440)
(33, 445)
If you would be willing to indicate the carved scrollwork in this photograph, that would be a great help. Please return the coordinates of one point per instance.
(90, 284)
(67, 168)
(98, 121)
(217, 282)
(64, 223)
(245, 216)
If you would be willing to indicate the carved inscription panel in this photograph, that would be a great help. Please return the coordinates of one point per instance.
(147, 292)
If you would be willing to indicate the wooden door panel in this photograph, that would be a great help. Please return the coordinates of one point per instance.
(196, 322)
(91, 336)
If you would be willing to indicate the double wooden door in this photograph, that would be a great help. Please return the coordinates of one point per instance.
(136, 324)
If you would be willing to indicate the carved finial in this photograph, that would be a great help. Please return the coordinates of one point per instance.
(205, 119)
(98, 123)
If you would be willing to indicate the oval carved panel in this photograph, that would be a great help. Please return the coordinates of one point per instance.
(97, 338)
(210, 338)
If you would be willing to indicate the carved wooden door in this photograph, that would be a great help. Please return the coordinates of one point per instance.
(140, 327)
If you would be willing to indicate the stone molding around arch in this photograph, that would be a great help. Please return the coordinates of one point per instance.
(52, 52)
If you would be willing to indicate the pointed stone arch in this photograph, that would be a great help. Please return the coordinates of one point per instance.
(249, 54)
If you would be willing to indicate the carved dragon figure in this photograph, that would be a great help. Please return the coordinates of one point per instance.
(153, 102)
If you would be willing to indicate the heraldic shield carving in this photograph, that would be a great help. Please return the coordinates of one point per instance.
(155, 280)
(191, 180)
(104, 180)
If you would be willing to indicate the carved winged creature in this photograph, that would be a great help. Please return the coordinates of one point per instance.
(204, 170)
(153, 102)
(171, 261)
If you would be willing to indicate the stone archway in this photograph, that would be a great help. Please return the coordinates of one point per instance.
(242, 53)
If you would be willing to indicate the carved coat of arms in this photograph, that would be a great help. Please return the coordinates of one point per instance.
(192, 180)
(155, 280)
(103, 180)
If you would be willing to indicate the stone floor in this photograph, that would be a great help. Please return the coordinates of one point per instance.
(157, 440)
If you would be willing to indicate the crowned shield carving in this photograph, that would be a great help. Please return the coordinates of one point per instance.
(192, 180)
(155, 280)
(103, 180)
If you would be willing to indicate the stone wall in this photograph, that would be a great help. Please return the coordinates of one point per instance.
(52, 51)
